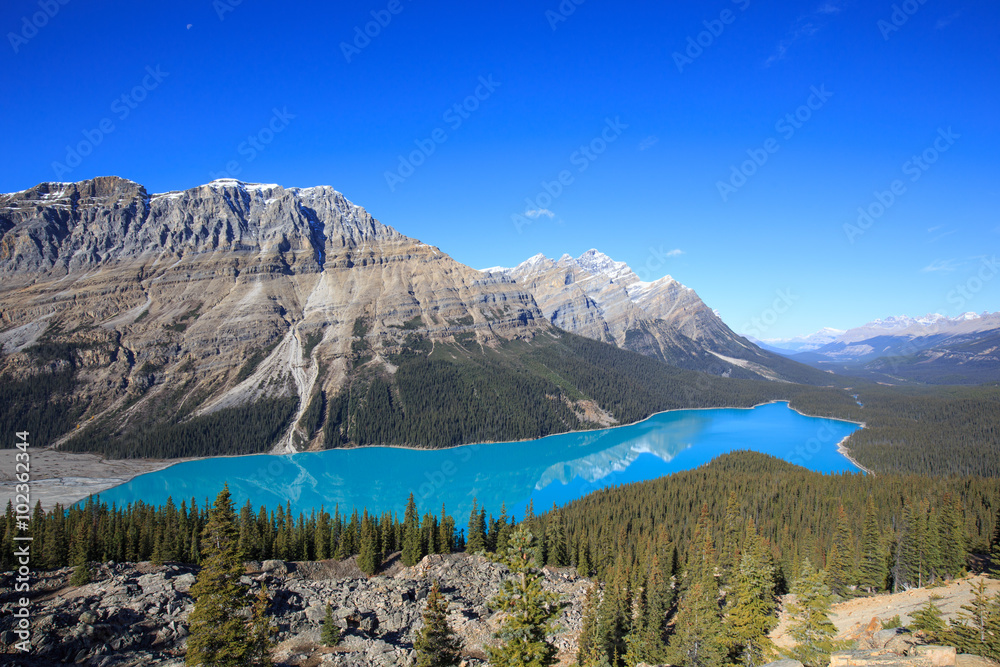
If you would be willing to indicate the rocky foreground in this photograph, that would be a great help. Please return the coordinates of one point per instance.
(136, 614)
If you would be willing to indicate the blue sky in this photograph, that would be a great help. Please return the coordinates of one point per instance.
(724, 143)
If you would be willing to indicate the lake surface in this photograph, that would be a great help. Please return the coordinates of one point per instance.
(556, 468)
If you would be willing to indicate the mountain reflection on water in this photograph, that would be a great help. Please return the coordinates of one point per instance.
(554, 469)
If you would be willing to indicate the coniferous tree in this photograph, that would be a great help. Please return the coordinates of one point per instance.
(750, 613)
(369, 557)
(260, 631)
(732, 529)
(330, 634)
(476, 541)
(928, 620)
(555, 540)
(811, 628)
(840, 564)
(589, 643)
(411, 534)
(872, 570)
(218, 635)
(697, 640)
(995, 548)
(81, 569)
(436, 643)
(978, 629)
(530, 611)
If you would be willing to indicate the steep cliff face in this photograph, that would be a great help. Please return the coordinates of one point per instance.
(218, 296)
(597, 297)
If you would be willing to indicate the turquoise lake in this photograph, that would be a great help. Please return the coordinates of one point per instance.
(556, 468)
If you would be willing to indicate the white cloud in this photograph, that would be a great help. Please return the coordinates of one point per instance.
(675, 252)
(944, 265)
(537, 213)
(648, 142)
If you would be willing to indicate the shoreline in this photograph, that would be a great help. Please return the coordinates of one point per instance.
(122, 471)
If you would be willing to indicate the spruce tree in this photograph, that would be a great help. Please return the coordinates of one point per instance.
(476, 541)
(840, 564)
(811, 627)
(261, 631)
(369, 557)
(530, 611)
(411, 534)
(80, 556)
(589, 642)
(995, 548)
(218, 634)
(978, 628)
(928, 620)
(436, 643)
(872, 569)
(750, 613)
(330, 634)
(697, 640)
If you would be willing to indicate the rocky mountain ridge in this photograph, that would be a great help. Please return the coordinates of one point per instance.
(595, 296)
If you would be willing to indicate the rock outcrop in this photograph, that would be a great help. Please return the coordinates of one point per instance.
(136, 614)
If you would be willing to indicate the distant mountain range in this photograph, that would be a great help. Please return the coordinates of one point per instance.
(934, 348)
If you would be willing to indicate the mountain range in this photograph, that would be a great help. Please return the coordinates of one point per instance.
(934, 349)
(236, 317)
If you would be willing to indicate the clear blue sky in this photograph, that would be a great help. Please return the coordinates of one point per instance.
(886, 91)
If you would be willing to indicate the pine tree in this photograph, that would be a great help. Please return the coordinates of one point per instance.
(218, 635)
(928, 620)
(978, 630)
(840, 564)
(811, 628)
(530, 611)
(872, 570)
(436, 643)
(330, 634)
(411, 534)
(697, 638)
(368, 554)
(260, 631)
(995, 548)
(80, 556)
(750, 613)
(589, 643)
(583, 567)
(555, 540)
(476, 541)
(731, 532)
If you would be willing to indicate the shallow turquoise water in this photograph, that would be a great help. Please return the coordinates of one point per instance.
(557, 468)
